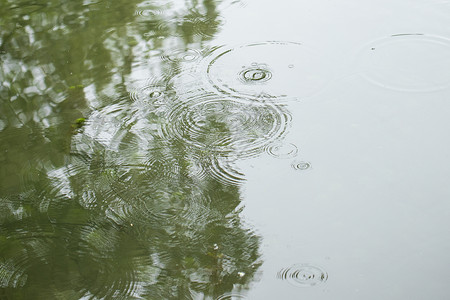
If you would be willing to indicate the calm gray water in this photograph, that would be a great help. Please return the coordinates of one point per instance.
(224, 150)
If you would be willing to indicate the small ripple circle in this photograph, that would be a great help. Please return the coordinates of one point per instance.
(256, 74)
(181, 55)
(303, 275)
(282, 150)
(301, 165)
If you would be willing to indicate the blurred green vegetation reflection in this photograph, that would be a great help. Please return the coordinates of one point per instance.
(94, 204)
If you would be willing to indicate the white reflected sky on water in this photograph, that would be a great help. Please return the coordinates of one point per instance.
(374, 210)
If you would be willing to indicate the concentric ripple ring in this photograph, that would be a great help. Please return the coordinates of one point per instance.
(410, 62)
(281, 70)
(223, 125)
(303, 275)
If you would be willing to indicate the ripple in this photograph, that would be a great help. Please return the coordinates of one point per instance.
(126, 187)
(255, 74)
(149, 12)
(194, 210)
(282, 150)
(225, 171)
(182, 55)
(204, 27)
(227, 4)
(187, 84)
(266, 68)
(231, 296)
(155, 171)
(194, 214)
(195, 167)
(303, 275)
(154, 92)
(146, 193)
(225, 126)
(411, 62)
(151, 9)
(13, 273)
(34, 250)
(301, 165)
(194, 26)
(96, 248)
(154, 209)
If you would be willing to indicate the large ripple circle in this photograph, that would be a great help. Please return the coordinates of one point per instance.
(267, 70)
(407, 62)
(224, 126)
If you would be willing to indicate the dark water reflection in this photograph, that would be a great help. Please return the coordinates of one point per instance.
(109, 191)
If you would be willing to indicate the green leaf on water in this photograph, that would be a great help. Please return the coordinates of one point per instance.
(78, 86)
(78, 123)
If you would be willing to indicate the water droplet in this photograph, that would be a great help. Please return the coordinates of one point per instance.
(155, 94)
(407, 62)
(303, 275)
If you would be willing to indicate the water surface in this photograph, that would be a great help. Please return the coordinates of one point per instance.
(224, 150)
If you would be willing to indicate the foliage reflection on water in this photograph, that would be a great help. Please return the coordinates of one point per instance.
(95, 201)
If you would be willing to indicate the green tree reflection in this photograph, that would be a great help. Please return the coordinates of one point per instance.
(96, 208)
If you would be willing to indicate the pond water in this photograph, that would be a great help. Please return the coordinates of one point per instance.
(233, 149)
